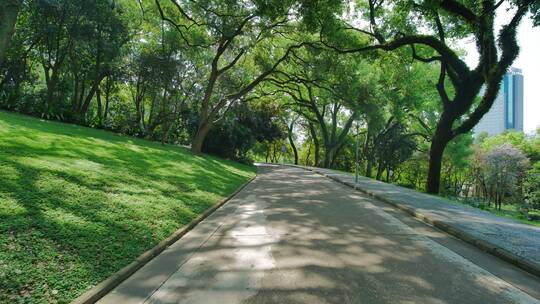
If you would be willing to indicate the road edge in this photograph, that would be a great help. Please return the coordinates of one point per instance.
(486, 246)
(104, 287)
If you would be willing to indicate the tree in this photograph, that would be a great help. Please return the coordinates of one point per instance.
(240, 50)
(504, 168)
(161, 81)
(76, 44)
(330, 93)
(526, 144)
(290, 121)
(393, 24)
(413, 171)
(244, 125)
(9, 10)
(93, 56)
(394, 146)
(531, 187)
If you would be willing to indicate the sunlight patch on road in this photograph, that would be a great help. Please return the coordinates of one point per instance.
(231, 275)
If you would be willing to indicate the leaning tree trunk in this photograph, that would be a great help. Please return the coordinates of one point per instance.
(295, 151)
(200, 135)
(99, 107)
(108, 89)
(9, 10)
(293, 146)
(438, 143)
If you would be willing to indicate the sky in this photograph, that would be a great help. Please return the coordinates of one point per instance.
(528, 61)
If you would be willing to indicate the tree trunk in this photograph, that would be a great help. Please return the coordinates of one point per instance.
(80, 99)
(316, 145)
(369, 166)
(99, 107)
(165, 132)
(51, 88)
(316, 153)
(200, 136)
(151, 115)
(308, 155)
(295, 151)
(75, 100)
(438, 145)
(336, 153)
(328, 155)
(89, 97)
(9, 10)
(380, 170)
(293, 146)
(330, 152)
(107, 99)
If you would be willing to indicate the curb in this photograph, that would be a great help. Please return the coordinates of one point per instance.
(103, 288)
(486, 246)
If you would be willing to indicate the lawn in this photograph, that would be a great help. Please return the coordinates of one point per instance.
(78, 204)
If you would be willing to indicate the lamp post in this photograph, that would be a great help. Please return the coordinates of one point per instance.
(284, 150)
(356, 157)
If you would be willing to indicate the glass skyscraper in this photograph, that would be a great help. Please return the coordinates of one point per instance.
(507, 110)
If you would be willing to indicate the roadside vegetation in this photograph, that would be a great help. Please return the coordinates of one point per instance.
(498, 173)
(78, 204)
(512, 211)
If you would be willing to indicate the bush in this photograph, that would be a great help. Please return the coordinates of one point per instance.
(531, 187)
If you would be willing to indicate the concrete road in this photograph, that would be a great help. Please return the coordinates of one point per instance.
(292, 236)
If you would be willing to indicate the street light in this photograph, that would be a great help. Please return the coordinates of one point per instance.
(284, 150)
(356, 156)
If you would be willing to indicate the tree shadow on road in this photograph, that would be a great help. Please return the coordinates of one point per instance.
(328, 244)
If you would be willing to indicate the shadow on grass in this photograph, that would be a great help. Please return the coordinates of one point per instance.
(78, 204)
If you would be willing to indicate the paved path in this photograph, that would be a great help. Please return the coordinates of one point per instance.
(510, 238)
(293, 236)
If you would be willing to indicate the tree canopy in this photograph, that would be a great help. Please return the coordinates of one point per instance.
(241, 78)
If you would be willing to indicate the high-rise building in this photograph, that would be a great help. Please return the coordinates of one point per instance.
(506, 113)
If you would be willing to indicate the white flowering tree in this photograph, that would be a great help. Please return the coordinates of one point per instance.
(503, 169)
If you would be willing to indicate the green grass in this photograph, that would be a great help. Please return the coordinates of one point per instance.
(78, 204)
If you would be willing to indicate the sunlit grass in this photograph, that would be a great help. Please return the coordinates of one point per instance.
(77, 204)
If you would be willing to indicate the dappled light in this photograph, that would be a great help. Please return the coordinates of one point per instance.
(75, 205)
(329, 245)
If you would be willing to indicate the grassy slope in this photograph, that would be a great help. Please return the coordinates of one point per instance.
(77, 204)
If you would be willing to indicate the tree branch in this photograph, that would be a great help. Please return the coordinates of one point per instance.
(459, 10)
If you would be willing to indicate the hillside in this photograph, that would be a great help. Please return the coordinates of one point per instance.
(77, 204)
